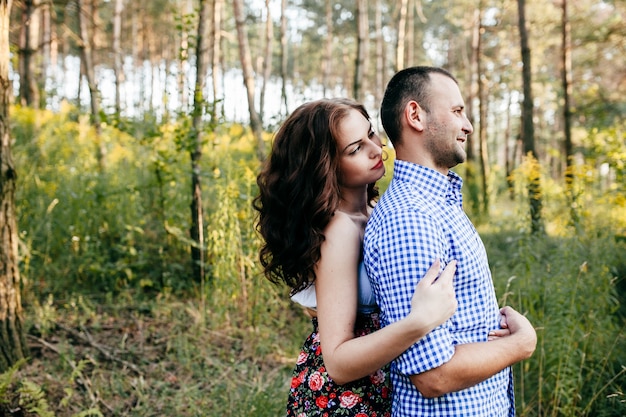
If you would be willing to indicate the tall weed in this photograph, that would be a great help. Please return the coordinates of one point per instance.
(117, 240)
(565, 281)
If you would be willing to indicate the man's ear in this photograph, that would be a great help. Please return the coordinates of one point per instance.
(413, 115)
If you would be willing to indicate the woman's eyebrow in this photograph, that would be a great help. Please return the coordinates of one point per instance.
(352, 143)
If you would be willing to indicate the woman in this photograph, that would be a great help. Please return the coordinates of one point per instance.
(316, 192)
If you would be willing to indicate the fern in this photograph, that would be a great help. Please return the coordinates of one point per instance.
(6, 378)
(32, 399)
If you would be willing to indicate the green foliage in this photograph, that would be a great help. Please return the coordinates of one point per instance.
(606, 146)
(105, 257)
(5, 381)
(101, 231)
(29, 399)
(45, 315)
(32, 399)
(567, 283)
(167, 357)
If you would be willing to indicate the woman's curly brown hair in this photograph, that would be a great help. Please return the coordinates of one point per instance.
(299, 191)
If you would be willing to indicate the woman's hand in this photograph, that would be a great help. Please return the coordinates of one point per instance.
(434, 300)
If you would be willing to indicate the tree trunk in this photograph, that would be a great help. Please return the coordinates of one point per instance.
(216, 53)
(183, 61)
(29, 33)
(482, 116)
(118, 68)
(169, 57)
(528, 130)
(401, 35)
(509, 155)
(360, 70)
(566, 71)
(134, 51)
(409, 50)
(328, 47)
(470, 166)
(48, 45)
(379, 74)
(283, 57)
(248, 76)
(197, 216)
(12, 342)
(64, 46)
(482, 135)
(85, 46)
(267, 60)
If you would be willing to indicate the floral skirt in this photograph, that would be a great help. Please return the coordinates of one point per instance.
(313, 393)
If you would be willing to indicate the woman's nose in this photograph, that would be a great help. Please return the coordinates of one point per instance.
(377, 149)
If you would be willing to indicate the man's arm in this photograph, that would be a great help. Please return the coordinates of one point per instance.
(473, 363)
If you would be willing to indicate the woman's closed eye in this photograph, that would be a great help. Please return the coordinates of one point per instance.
(355, 149)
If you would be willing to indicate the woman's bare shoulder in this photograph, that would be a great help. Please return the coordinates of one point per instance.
(343, 228)
(343, 222)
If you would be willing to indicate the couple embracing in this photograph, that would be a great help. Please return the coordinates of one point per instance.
(404, 312)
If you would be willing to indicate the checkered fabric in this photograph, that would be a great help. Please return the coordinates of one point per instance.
(418, 219)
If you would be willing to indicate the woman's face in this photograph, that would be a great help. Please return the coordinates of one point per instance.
(360, 151)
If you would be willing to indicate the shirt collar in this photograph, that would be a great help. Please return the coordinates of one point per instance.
(430, 181)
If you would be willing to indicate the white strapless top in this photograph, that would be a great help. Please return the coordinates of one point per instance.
(366, 301)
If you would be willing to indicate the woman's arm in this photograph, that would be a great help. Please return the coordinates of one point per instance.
(348, 358)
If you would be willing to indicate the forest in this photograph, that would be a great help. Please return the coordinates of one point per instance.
(132, 133)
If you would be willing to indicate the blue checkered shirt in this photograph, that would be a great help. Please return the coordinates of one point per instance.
(418, 219)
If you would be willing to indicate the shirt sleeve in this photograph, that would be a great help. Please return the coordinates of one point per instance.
(408, 242)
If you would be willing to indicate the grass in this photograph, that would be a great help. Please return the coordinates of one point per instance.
(156, 359)
(117, 327)
(570, 283)
(167, 356)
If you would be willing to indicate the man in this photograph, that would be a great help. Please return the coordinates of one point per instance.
(462, 368)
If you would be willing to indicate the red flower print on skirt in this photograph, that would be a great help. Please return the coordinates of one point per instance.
(314, 394)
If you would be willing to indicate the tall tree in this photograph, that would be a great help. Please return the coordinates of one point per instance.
(409, 49)
(528, 129)
(401, 35)
(379, 72)
(470, 68)
(566, 83)
(283, 56)
(482, 113)
(12, 342)
(48, 45)
(86, 11)
(183, 56)
(360, 69)
(328, 46)
(199, 103)
(248, 76)
(267, 58)
(509, 152)
(118, 69)
(29, 34)
(216, 54)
